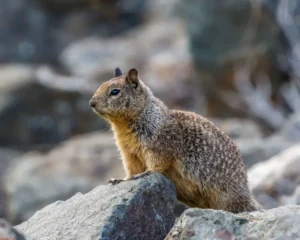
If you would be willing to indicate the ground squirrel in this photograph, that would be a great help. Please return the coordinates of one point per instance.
(204, 164)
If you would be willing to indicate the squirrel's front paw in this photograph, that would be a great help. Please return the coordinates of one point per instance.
(114, 181)
(140, 175)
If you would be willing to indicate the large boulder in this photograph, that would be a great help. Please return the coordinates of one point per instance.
(278, 223)
(37, 179)
(139, 209)
(276, 181)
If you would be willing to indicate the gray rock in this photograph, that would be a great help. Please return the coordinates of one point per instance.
(9, 233)
(275, 181)
(255, 147)
(293, 199)
(250, 139)
(163, 64)
(285, 14)
(139, 209)
(223, 37)
(217, 31)
(291, 130)
(36, 179)
(256, 150)
(7, 157)
(162, 10)
(84, 57)
(43, 28)
(36, 114)
(237, 128)
(278, 223)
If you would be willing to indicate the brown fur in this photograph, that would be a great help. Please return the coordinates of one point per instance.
(204, 164)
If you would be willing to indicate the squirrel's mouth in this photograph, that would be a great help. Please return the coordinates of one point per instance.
(101, 113)
(95, 108)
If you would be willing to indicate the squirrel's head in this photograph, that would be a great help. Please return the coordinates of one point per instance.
(124, 96)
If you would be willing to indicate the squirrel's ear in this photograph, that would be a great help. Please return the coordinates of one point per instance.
(132, 77)
(118, 72)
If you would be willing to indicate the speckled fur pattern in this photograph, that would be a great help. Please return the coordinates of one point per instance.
(204, 164)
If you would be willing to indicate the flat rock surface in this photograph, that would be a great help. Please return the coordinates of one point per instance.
(279, 223)
(139, 209)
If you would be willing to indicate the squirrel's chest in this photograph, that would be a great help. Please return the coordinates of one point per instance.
(129, 144)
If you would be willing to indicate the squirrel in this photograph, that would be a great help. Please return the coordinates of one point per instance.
(200, 159)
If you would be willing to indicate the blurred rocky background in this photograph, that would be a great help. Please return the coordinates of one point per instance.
(236, 63)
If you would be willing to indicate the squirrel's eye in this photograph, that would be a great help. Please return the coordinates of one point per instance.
(114, 92)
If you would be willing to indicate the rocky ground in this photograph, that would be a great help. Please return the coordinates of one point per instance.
(277, 223)
(144, 209)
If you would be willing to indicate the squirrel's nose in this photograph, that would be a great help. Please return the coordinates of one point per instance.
(92, 103)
